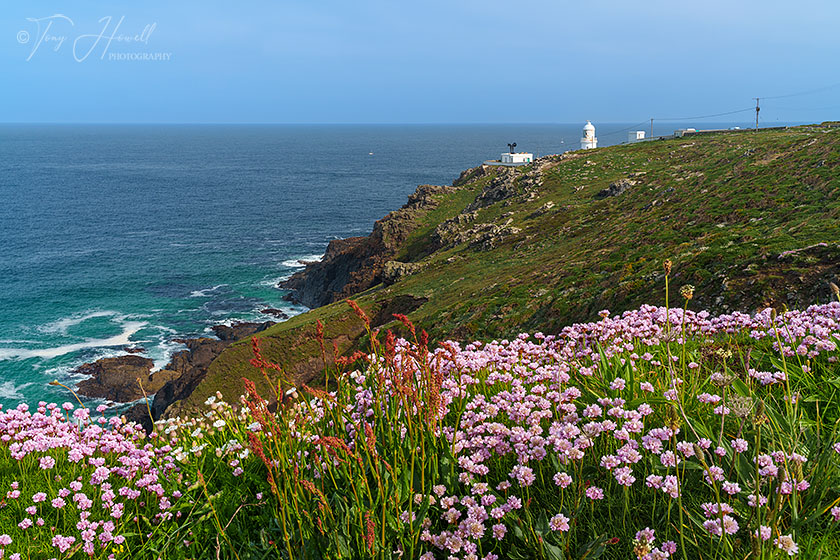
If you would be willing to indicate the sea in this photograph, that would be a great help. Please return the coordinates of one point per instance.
(136, 235)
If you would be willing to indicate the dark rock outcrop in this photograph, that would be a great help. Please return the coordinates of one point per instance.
(119, 379)
(393, 271)
(501, 187)
(355, 264)
(190, 367)
(139, 414)
(616, 188)
(236, 331)
(402, 304)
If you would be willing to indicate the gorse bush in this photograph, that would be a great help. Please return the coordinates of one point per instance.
(661, 433)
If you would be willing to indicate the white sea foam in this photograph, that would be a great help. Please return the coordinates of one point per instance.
(10, 391)
(206, 292)
(60, 326)
(272, 282)
(122, 339)
(164, 348)
(300, 262)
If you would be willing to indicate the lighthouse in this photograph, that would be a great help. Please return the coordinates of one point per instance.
(589, 140)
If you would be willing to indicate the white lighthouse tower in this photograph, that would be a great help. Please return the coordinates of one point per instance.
(589, 140)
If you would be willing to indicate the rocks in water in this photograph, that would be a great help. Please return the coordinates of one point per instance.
(117, 378)
(279, 313)
(393, 271)
(134, 349)
(616, 188)
(236, 331)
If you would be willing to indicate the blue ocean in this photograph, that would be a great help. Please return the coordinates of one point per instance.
(135, 235)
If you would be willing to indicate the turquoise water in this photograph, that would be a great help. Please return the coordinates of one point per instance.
(135, 235)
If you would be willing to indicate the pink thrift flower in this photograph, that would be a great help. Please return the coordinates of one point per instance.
(562, 479)
(594, 493)
(559, 523)
(786, 543)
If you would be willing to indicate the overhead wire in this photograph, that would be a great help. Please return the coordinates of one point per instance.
(806, 92)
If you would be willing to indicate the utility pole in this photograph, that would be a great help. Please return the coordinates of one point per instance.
(651, 127)
(757, 109)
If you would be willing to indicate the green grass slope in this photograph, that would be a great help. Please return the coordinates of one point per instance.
(751, 219)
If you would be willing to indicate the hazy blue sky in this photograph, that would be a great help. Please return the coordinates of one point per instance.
(425, 61)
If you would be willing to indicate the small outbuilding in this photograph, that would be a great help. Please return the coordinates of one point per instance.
(635, 136)
(517, 157)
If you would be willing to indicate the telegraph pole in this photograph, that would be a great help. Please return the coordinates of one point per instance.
(651, 127)
(757, 109)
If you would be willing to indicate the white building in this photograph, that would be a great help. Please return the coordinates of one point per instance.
(589, 140)
(635, 136)
(517, 157)
(681, 132)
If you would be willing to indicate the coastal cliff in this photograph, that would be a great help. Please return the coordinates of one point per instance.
(751, 220)
(355, 264)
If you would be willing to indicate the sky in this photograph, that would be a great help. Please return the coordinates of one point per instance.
(430, 61)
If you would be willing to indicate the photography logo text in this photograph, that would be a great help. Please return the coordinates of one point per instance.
(109, 38)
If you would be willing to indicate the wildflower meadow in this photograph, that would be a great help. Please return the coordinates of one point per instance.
(664, 432)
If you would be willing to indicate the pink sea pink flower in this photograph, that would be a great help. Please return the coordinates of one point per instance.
(647, 535)
(731, 488)
(594, 493)
(740, 445)
(559, 523)
(787, 544)
(562, 479)
(62, 543)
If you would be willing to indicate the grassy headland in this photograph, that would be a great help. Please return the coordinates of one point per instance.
(750, 219)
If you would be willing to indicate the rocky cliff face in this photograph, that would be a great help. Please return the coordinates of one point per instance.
(355, 264)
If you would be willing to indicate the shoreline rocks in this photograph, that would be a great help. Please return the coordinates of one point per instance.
(119, 379)
(116, 378)
(279, 313)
